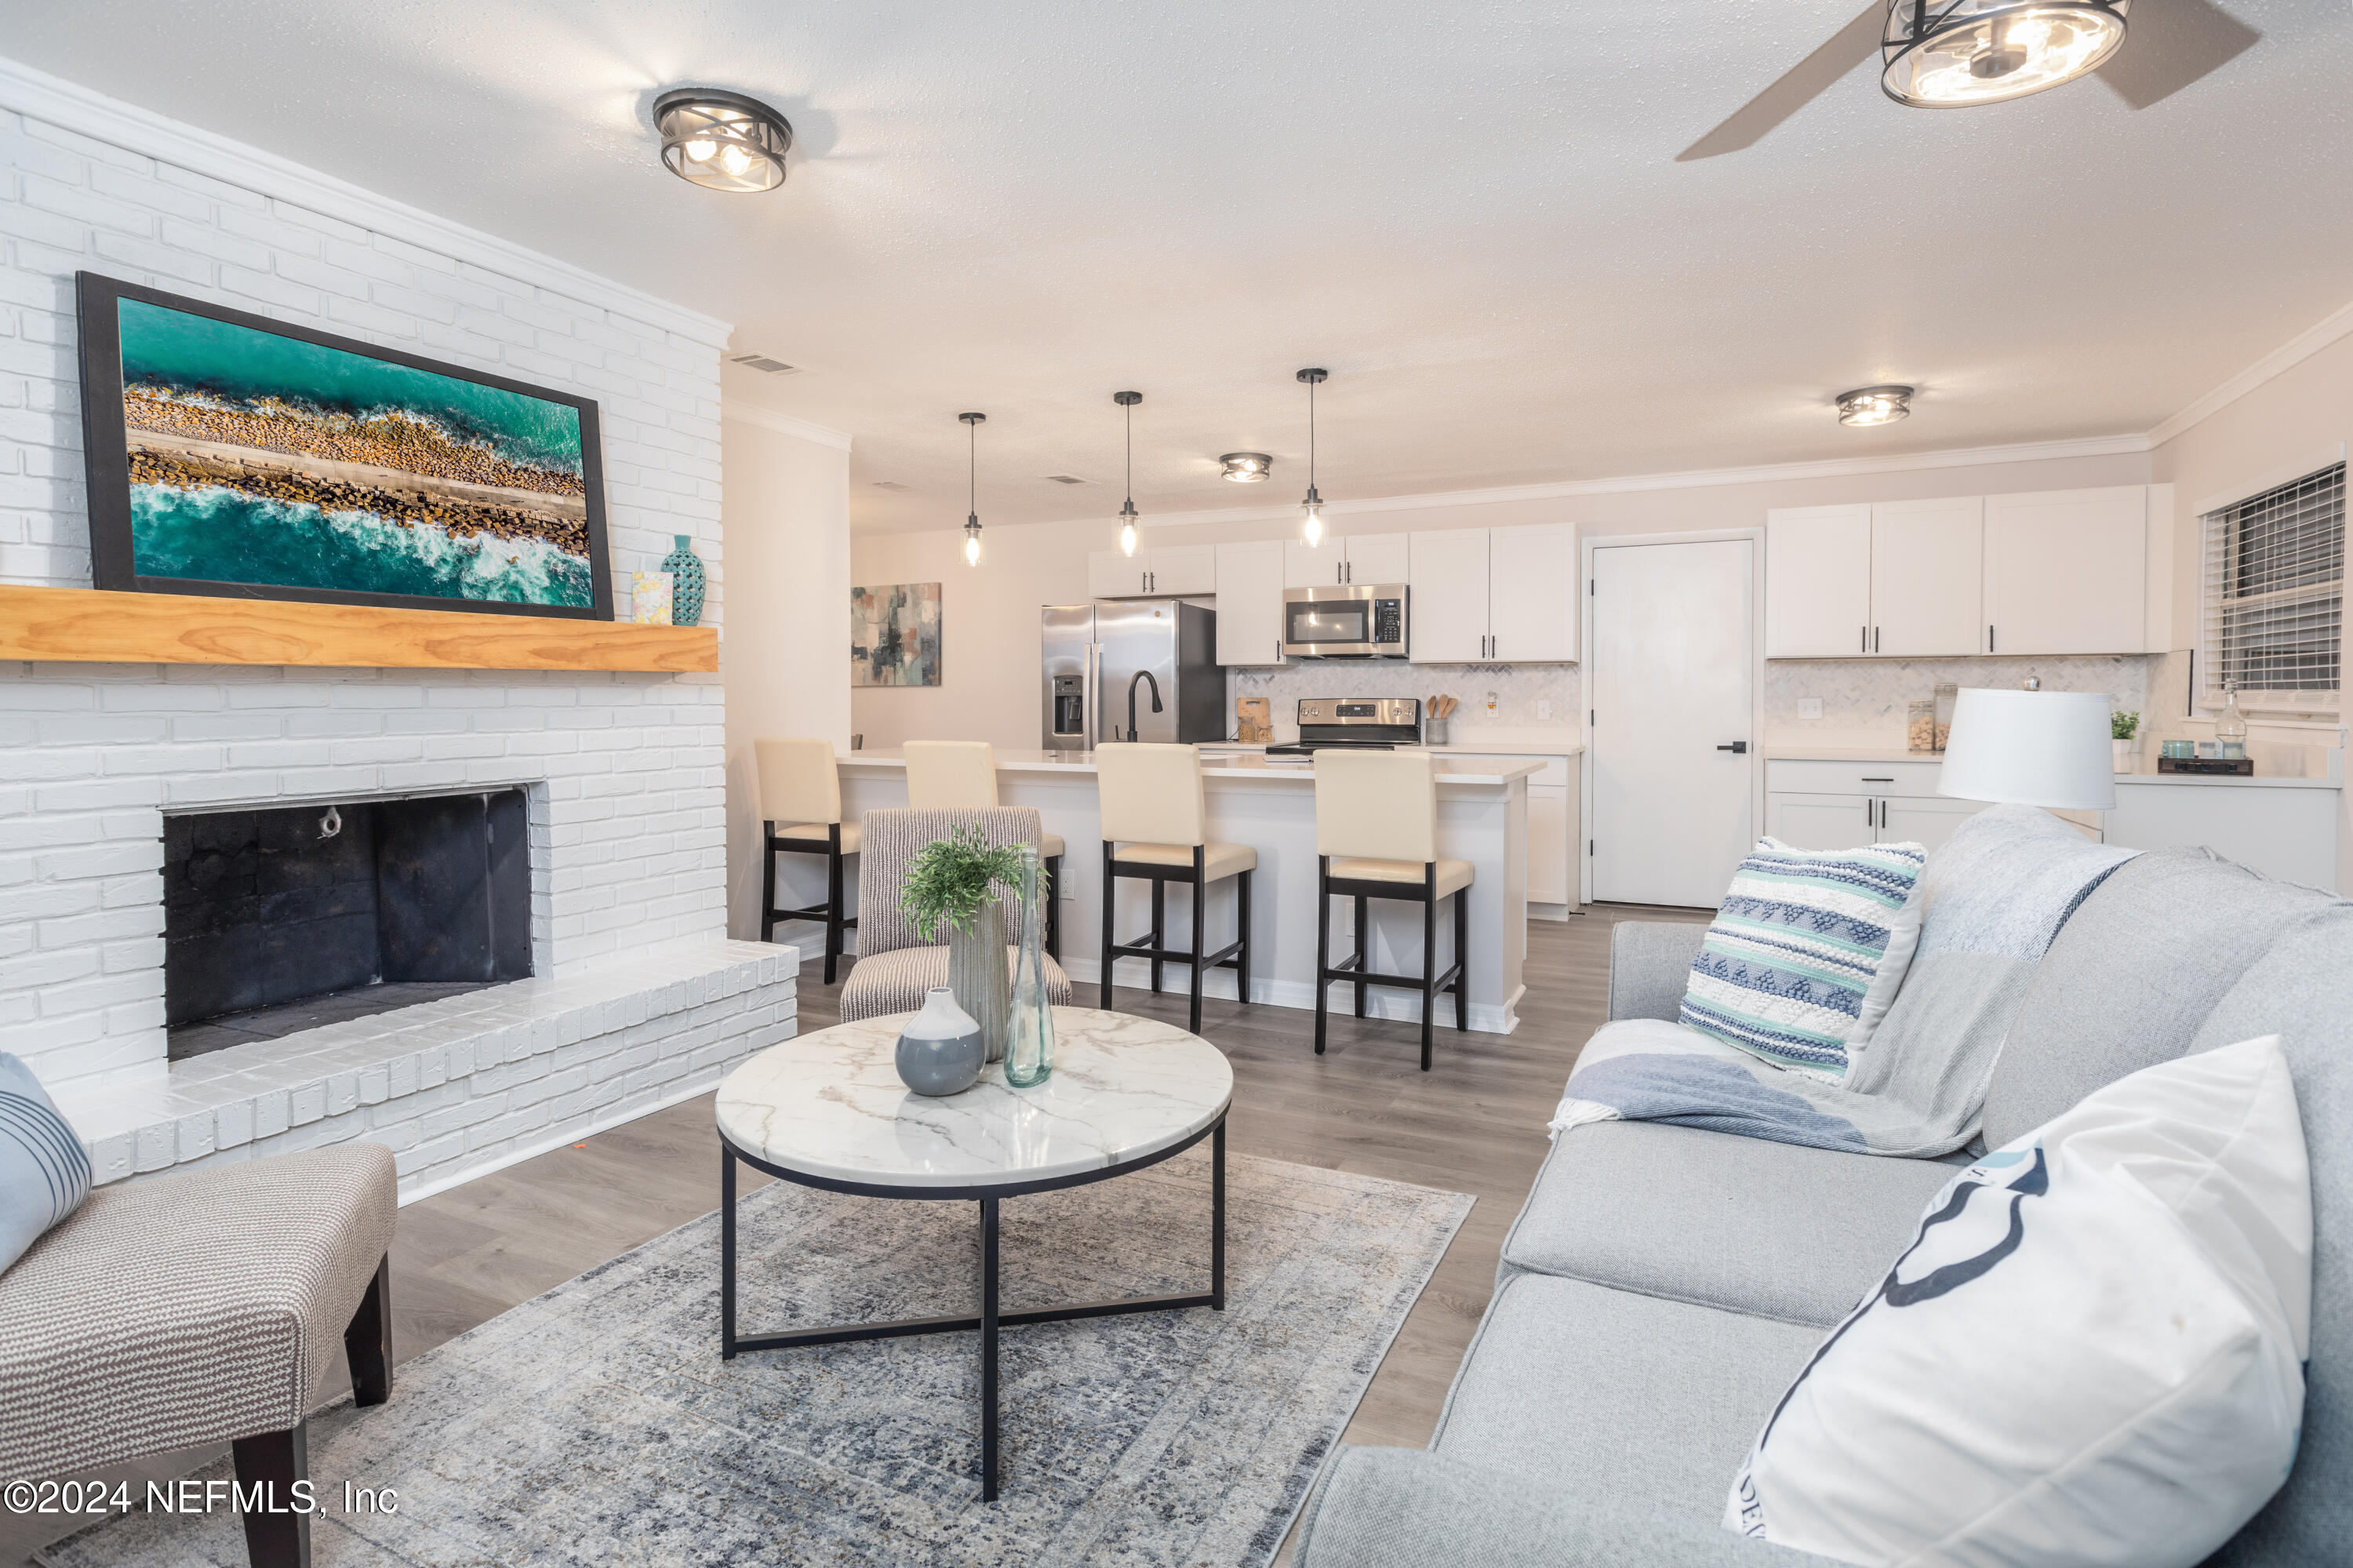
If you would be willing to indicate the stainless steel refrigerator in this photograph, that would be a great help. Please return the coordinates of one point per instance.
(1103, 659)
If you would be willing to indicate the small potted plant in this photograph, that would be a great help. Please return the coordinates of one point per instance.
(2123, 727)
(951, 882)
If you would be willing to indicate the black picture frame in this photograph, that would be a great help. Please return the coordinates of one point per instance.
(107, 459)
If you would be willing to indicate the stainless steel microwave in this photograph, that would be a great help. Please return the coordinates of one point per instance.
(1357, 621)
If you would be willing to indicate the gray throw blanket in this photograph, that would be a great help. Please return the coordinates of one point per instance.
(1993, 899)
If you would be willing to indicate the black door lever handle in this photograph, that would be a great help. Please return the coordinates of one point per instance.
(1738, 748)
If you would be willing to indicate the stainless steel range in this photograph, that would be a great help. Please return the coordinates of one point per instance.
(1361, 724)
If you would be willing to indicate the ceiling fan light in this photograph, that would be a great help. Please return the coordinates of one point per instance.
(722, 140)
(1966, 52)
(1874, 405)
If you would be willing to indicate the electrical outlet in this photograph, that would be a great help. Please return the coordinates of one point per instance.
(1810, 708)
(1544, 709)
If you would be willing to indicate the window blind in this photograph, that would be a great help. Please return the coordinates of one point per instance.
(2272, 599)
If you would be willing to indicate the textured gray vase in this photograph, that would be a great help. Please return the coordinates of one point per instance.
(941, 1050)
(976, 974)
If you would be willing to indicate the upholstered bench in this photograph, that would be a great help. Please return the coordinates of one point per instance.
(185, 1310)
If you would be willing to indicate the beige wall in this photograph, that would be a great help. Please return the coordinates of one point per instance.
(989, 651)
(787, 516)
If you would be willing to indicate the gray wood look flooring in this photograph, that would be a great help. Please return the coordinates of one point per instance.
(1474, 1124)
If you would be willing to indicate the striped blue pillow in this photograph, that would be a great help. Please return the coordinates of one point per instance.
(1785, 967)
(44, 1170)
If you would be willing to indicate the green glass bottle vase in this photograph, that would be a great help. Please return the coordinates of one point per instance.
(685, 568)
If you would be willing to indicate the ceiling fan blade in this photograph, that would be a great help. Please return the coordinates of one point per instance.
(1847, 48)
(2168, 44)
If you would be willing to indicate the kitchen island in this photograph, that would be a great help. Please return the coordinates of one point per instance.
(1267, 803)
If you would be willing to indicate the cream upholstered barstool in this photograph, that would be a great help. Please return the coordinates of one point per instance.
(1154, 826)
(961, 775)
(800, 801)
(1377, 837)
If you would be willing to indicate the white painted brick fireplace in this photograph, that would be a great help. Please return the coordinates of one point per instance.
(637, 998)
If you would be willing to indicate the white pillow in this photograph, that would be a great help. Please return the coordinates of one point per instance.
(2092, 1353)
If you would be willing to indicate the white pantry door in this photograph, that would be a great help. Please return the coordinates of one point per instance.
(1671, 686)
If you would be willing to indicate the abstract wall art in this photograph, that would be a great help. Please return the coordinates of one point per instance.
(895, 635)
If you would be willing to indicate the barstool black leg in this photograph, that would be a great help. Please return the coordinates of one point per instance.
(832, 901)
(1322, 945)
(768, 882)
(1428, 959)
(1462, 958)
(1110, 912)
(1200, 934)
(1364, 947)
(1159, 924)
(1242, 933)
(1054, 906)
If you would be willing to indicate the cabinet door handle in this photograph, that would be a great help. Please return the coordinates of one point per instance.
(1865, 645)
(1988, 638)
(1874, 640)
(1866, 813)
(1738, 748)
(1867, 779)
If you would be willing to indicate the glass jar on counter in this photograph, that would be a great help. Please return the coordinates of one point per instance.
(1920, 726)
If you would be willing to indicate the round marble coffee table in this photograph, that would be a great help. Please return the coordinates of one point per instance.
(827, 1110)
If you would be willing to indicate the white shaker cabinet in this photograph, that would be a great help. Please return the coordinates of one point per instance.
(1250, 602)
(1531, 596)
(1377, 558)
(1549, 832)
(1816, 582)
(1447, 571)
(1166, 572)
(1314, 565)
(2066, 572)
(1927, 575)
(1821, 822)
(1827, 805)
(1344, 560)
(1923, 820)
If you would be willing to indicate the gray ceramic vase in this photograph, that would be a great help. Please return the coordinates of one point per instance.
(941, 1050)
(978, 972)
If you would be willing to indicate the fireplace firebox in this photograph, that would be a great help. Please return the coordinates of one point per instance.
(285, 919)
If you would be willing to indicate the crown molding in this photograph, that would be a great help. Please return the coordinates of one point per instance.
(2286, 356)
(1689, 478)
(786, 425)
(143, 131)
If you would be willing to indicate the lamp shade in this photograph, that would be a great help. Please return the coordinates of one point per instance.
(2031, 748)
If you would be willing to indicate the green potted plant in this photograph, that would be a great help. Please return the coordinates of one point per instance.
(952, 881)
(2123, 727)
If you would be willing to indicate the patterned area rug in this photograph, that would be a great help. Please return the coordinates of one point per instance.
(596, 1423)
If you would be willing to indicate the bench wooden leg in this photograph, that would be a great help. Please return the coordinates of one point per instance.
(276, 1536)
(367, 1342)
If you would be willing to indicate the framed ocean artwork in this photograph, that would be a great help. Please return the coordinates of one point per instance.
(235, 455)
(895, 635)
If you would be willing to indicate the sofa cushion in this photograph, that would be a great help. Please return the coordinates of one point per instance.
(2301, 991)
(1776, 1230)
(1785, 967)
(2131, 977)
(179, 1311)
(1613, 1395)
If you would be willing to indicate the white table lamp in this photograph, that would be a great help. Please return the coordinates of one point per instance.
(2031, 748)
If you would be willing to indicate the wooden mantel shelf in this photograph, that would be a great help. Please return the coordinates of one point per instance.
(87, 626)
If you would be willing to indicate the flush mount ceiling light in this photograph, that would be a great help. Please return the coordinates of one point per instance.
(1127, 517)
(722, 140)
(972, 493)
(1874, 405)
(1957, 53)
(1247, 468)
(1311, 510)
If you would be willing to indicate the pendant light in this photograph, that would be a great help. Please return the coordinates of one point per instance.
(1311, 510)
(1127, 518)
(1951, 54)
(972, 482)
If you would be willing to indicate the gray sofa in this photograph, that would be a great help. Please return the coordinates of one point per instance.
(1663, 1285)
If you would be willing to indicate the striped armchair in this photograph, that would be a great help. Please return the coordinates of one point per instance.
(895, 965)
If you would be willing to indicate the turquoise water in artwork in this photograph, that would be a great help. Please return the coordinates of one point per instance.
(181, 533)
(196, 354)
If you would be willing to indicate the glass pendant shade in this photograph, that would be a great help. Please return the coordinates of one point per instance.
(972, 423)
(1311, 519)
(722, 140)
(1957, 53)
(972, 542)
(1127, 530)
(1127, 517)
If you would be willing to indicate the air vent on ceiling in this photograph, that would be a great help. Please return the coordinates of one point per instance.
(890, 484)
(1069, 478)
(766, 367)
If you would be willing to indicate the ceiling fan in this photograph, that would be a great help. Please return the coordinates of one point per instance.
(1945, 53)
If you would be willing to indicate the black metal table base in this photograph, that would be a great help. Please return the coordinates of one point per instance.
(991, 1319)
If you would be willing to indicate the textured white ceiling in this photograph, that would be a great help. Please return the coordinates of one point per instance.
(1470, 213)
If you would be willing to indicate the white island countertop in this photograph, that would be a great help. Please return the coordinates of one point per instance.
(1218, 760)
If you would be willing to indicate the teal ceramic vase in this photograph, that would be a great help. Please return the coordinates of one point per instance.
(685, 568)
